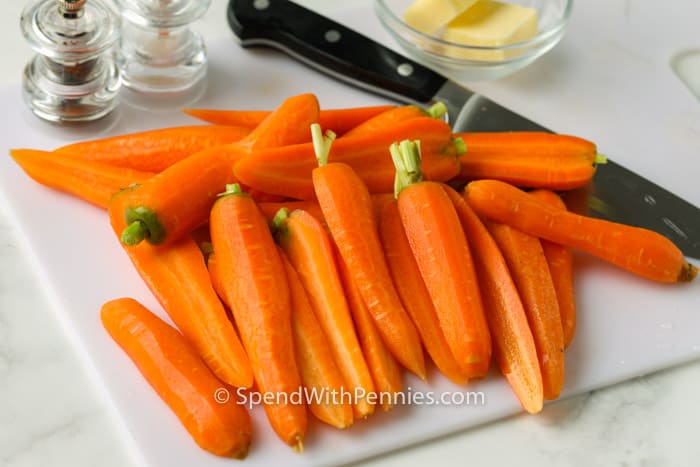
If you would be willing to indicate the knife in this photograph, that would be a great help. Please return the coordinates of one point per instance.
(615, 193)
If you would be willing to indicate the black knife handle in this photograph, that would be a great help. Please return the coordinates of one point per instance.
(332, 48)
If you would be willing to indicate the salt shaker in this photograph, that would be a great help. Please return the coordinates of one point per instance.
(158, 52)
(73, 77)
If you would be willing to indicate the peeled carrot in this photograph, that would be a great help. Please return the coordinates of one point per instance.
(386, 371)
(513, 343)
(179, 199)
(338, 120)
(319, 372)
(561, 264)
(287, 170)
(153, 150)
(528, 267)
(414, 295)
(444, 259)
(179, 279)
(287, 125)
(254, 279)
(347, 207)
(529, 159)
(91, 181)
(310, 251)
(179, 377)
(640, 251)
(395, 115)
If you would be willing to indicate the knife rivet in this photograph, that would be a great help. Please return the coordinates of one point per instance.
(332, 35)
(261, 4)
(405, 69)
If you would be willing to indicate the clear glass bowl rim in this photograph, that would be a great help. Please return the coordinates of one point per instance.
(385, 12)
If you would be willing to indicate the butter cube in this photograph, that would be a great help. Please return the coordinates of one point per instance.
(428, 16)
(490, 23)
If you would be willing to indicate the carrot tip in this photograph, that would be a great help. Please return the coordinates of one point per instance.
(687, 273)
(298, 445)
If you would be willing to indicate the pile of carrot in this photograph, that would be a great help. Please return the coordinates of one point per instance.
(334, 249)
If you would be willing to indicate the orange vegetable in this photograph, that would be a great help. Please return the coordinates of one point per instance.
(179, 199)
(386, 372)
(287, 125)
(395, 115)
(347, 207)
(414, 295)
(179, 279)
(561, 264)
(92, 181)
(319, 371)
(530, 272)
(640, 251)
(179, 377)
(255, 282)
(176, 201)
(153, 150)
(287, 170)
(310, 251)
(444, 259)
(513, 344)
(338, 120)
(529, 159)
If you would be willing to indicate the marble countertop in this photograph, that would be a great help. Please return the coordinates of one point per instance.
(53, 412)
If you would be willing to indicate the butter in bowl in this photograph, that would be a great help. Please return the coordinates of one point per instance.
(475, 40)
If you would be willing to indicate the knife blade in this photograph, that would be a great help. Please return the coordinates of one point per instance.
(616, 193)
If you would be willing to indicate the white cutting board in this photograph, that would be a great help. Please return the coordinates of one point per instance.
(608, 80)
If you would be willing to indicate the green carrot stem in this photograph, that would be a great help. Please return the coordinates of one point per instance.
(407, 160)
(279, 220)
(460, 146)
(437, 110)
(322, 143)
(600, 159)
(143, 224)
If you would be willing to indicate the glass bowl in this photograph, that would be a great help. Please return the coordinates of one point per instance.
(473, 63)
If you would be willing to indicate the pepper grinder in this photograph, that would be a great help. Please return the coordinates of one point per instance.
(73, 76)
(158, 52)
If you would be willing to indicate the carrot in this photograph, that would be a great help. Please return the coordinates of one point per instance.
(179, 377)
(637, 250)
(310, 251)
(386, 372)
(287, 170)
(414, 295)
(561, 264)
(91, 181)
(178, 277)
(529, 159)
(444, 259)
(338, 120)
(513, 343)
(255, 281)
(396, 115)
(528, 267)
(179, 199)
(287, 125)
(153, 150)
(347, 207)
(319, 372)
